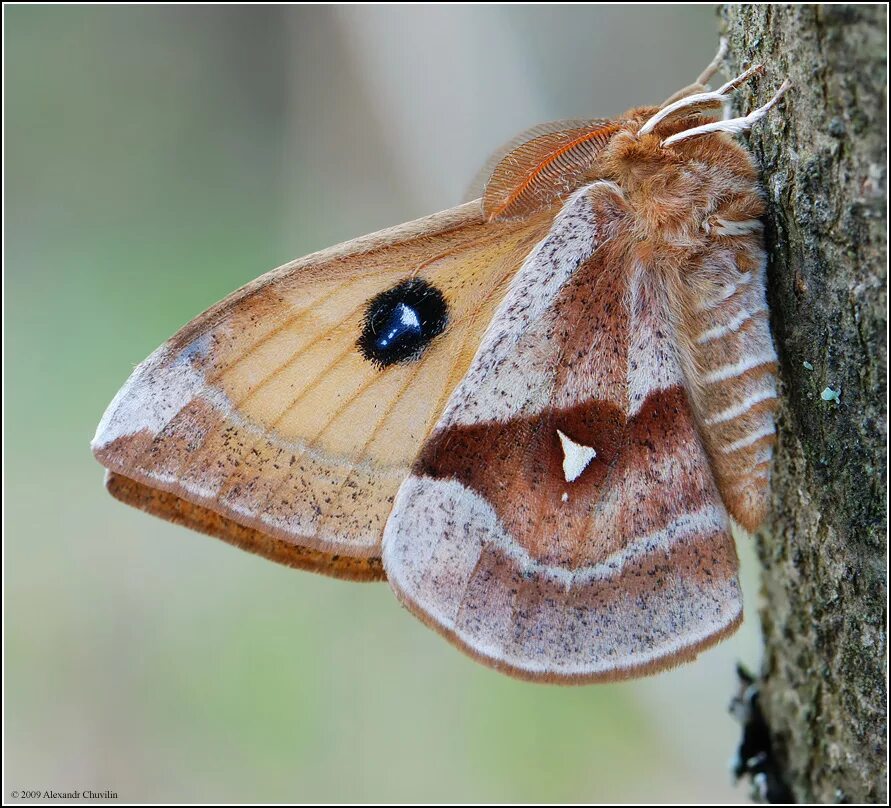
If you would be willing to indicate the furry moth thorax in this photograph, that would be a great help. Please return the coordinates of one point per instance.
(534, 414)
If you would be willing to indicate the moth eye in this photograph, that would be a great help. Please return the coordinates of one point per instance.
(401, 322)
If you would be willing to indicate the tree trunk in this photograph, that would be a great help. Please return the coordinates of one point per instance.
(822, 154)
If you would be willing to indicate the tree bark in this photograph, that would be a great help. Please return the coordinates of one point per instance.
(823, 549)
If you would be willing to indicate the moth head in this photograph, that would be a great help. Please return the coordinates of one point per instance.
(674, 160)
(641, 144)
(663, 184)
(632, 152)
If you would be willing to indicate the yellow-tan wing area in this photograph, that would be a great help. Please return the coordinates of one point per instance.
(261, 422)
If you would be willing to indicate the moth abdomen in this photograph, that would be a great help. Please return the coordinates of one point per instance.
(731, 364)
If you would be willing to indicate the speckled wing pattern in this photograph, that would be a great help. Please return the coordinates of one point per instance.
(534, 414)
(261, 423)
(624, 568)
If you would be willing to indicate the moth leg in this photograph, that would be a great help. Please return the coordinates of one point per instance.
(703, 100)
(700, 85)
(733, 126)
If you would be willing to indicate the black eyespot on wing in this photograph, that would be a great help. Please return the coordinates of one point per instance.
(401, 322)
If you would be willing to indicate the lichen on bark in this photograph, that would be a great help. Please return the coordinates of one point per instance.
(823, 549)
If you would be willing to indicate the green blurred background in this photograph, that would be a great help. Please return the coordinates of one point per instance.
(156, 159)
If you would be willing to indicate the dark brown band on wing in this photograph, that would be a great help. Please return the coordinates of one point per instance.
(517, 466)
(626, 570)
(181, 512)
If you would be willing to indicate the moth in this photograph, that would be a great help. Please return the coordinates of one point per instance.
(534, 414)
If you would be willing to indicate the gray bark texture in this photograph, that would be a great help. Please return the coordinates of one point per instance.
(823, 688)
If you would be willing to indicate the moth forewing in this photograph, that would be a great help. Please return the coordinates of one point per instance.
(265, 410)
